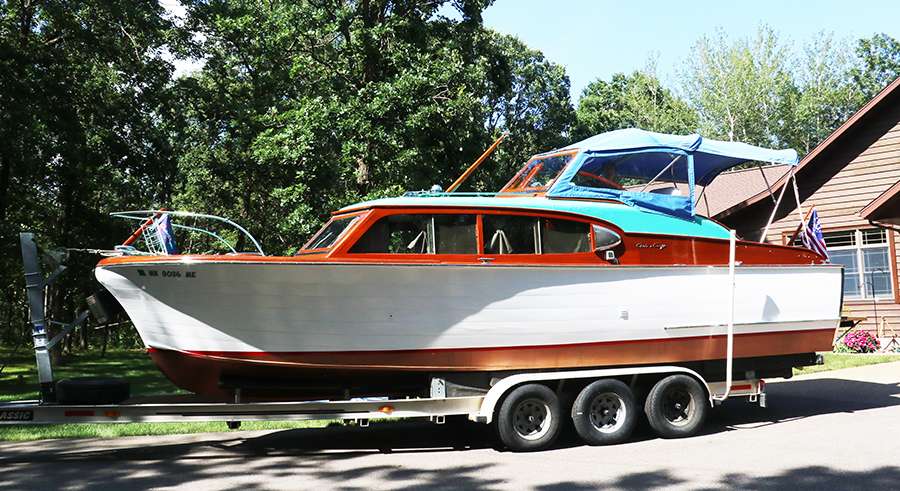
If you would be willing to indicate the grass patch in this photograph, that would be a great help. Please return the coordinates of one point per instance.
(112, 430)
(19, 381)
(838, 361)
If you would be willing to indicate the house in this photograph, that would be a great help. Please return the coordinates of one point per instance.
(853, 180)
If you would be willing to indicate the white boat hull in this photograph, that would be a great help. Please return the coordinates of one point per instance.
(469, 317)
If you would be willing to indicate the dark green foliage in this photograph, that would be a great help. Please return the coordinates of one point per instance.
(299, 108)
(303, 108)
(79, 86)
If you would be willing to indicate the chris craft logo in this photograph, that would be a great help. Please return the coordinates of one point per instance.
(655, 245)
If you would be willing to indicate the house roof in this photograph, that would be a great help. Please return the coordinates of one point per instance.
(807, 164)
(885, 208)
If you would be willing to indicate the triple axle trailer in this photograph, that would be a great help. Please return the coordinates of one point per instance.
(527, 409)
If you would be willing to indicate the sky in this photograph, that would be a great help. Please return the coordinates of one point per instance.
(598, 38)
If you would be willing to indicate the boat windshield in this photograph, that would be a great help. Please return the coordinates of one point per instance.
(330, 233)
(538, 173)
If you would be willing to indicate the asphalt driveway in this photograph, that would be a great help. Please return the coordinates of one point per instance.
(833, 430)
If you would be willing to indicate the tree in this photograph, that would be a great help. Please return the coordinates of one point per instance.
(527, 96)
(826, 94)
(80, 83)
(303, 108)
(741, 91)
(879, 63)
(636, 101)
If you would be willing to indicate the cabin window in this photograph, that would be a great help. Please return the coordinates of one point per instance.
(604, 238)
(455, 234)
(515, 234)
(509, 234)
(636, 171)
(330, 233)
(420, 234)
(564, 236)
(866, 259)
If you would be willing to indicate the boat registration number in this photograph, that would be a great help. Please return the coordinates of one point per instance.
(16, 415)
(166, 273)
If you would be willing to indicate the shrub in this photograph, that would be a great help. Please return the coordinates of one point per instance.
(861, 342)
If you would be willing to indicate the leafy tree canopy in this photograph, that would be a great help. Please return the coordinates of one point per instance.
(879, 63)
(303, 108)
(635, 101)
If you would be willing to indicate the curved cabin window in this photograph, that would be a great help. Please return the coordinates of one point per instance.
(330, 233)
(517, 234)
(420, 234)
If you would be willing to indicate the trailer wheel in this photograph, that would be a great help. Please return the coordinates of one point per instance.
(92, 390)
(676, 406)
(529, 418)
(604, 412)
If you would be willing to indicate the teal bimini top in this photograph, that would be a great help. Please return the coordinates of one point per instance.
(629, 219)
(645, 155)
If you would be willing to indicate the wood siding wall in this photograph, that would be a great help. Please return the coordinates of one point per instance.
(846, 180)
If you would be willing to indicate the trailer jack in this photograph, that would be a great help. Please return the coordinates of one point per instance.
(35, 283)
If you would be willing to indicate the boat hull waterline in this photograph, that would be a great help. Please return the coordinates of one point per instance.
(308, 322)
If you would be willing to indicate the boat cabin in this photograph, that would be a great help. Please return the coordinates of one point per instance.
(609, 200)
(451, 231)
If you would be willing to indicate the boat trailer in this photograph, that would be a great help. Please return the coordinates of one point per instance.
(524, 396)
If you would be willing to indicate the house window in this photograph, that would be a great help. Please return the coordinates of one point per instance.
(866, 259)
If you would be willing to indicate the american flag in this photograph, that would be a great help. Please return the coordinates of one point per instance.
(166, 235)
(812, 237)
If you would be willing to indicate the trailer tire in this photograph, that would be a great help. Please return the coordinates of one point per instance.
(676, 406)
(92, 390)
(529, 418)
(605, 412)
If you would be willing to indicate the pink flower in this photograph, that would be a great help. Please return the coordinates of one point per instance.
(861, 342)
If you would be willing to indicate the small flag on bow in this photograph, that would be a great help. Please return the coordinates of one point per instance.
(812, 237)
(166, 235)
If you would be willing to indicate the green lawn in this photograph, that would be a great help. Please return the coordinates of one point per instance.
(19, 381)
(837, 361)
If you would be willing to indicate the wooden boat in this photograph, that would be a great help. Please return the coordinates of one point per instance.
(562, 269)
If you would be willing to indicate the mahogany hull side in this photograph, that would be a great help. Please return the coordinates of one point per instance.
(404, 373)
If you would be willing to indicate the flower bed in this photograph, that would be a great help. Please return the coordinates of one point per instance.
(861, 342)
